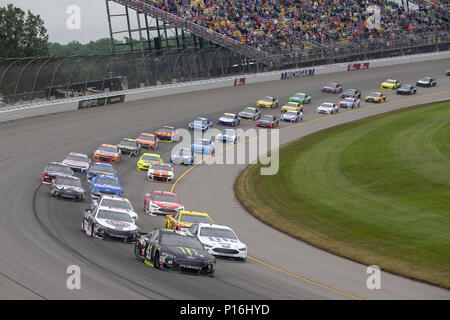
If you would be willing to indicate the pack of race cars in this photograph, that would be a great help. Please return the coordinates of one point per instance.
(189, 241)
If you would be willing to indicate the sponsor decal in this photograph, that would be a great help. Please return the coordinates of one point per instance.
(358, 66)
(239, 82)
(91, 103)
(298, 73)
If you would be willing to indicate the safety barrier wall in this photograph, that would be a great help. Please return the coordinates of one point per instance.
(41, 108)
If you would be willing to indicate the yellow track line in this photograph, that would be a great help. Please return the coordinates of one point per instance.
(289, 127)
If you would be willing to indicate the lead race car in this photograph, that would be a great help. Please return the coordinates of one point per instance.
(160, 172)
(182, 156)
(162, 203)
(104, 222)
(250, 113)
(168, 134)
(115, 202)
(174, 250)
(219, 240)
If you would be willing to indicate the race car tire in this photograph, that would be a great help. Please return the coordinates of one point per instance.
(156, 263)
(92, 231)
(82, 226)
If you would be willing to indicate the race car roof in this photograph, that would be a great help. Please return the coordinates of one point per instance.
(215, 226)
(78, 154)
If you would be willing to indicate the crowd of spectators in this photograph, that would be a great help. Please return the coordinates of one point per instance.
(286, 25)
(438, 9)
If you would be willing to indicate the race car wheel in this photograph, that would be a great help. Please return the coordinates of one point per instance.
(156, 264)
(92, 231)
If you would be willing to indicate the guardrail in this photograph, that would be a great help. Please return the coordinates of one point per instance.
(40, 108)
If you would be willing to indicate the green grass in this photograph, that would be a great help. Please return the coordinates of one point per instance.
(376, 191)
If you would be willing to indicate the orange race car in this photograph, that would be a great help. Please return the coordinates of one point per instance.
(107, 153)
(148, 140)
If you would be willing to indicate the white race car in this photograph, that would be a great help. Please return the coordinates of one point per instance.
(228, 135)
(219, 240)
(328, 108)
(78, 162)
(292, 116)
(160, 172)
(103, 222)
(115, 202)
(350, 103)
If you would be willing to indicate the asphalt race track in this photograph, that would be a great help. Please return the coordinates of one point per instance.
(41, 236)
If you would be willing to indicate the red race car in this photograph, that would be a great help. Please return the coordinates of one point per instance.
(267, 121)
(162, 202)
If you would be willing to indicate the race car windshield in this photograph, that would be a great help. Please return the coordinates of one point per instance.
(332, 85)
(291, 104)
(165, 197)
(390, 81)
(348, 100)
(291, 112)
(181, 241)
(375, 94)
(184, 152)
(114, 215)
(109, 182)
(228, 116)
(228, 132)
(102, 168)
(167, 130)
(64, 181)
(267, 99)
(200, 121)
(194, 218)
(162, 168)
(268, 118)
(327, 105)
(147, 138)
(350, 91)
(114, 203)
(128, 143)
(151, 158)
(72, 157)
(217, 233)
(300, 95)
(108, 149)
(60, 168)
(251, 110)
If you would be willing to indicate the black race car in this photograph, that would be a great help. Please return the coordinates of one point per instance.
(332, 87)
(67, 187)
(426, 82)
(55, 169)
(130, 147)
(351, 93)
(407, 89)
(174, 250)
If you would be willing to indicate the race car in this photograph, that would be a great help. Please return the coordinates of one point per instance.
(168, 134)
(101, 169)
(53, 170)
(350, 103)
(267, 121)
(184, 219)
(148, 141)
(162, 203)
(328, 108)
(146, 159)
(267, 102)
(376, 97)
(78, 162)
(292, 106)
(250, 113)
(115, 202)
(204, 146)
(130, 147)
(292, 116)
(219, 240)
(107, 153)
(200, 123)
(351, 93)
(182, 156)
(160, 172)
(426, 82)
(101, 185)
(300, 97)
(391, 84)
(228, 135)
(447, 73)
(67, 187)
(407, 89)
(229, 119)
(332, 87)
(104, 222)
(174, 251)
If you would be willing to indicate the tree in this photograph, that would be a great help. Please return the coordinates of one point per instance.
(21, 34)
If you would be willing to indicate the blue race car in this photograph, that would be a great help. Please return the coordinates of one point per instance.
(101, 169)
(202, 146)
(182, 156)
(105, 185)
(200, 124)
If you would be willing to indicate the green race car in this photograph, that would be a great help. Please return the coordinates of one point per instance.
(300, 97)
(130, 147)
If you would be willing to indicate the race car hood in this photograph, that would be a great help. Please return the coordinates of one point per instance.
(325, 108)
(167, 205)
(342, 103)
(288, 116)
(66, 187)
(180, 251)
(100, 173)
(264, 121)
(76, 163)
(117, 225)
(197, 124)
(423, 81)
(222, 242)
(106, 153)
(160, 172)
(120, 146)
(245, 114)
(223, 119)
(106, 187)
(55, 173)
(181, 157)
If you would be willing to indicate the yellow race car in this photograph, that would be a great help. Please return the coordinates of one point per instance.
(294, 106)
(184, 219)
(391, 84)
(376, 97)
(267, 102)
(146, 159)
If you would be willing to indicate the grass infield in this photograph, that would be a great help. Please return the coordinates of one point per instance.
(376, 191)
